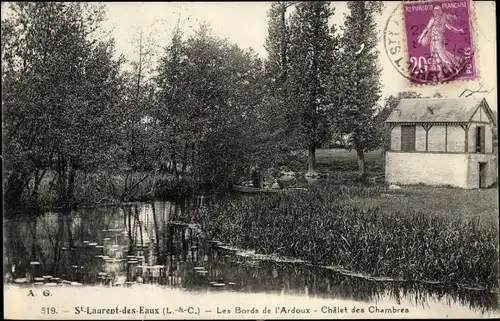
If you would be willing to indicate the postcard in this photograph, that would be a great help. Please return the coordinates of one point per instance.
(250, 160)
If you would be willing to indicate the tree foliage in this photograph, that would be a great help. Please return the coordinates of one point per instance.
(59, 95)
(208, 93)
(312, 47)
(203, 114)
(356, 87)
(277, 123)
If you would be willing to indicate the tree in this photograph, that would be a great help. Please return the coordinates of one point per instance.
(277, 137)
(140, 101)
(312, 47)
(60, 95)
(274, 123)
(170, 110)
(278, 45)
(135, 152)
(207, 98)
(358, 83)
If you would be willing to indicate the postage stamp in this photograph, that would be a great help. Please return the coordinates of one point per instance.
(439, 41)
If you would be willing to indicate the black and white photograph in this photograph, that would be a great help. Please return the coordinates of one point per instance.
(250, 160)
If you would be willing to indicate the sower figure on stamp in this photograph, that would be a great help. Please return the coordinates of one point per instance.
(433, 35)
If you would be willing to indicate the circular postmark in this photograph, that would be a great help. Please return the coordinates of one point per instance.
(430, 42)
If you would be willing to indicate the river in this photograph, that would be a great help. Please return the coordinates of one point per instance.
(160, 244)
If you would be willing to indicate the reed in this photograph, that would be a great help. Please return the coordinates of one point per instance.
(321, 226)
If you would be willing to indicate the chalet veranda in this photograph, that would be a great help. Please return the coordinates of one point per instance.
(442, 142)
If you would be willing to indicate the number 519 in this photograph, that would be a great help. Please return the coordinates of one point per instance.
(49, 310)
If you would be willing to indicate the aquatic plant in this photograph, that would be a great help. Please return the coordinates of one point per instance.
(322, 227)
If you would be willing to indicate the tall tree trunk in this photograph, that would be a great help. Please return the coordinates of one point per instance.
(314, 105)
(361, 162)
(193, 159)
(283, 45)
(125, 187)
(36, 186)
(184, 159)
(71, 187)
(173, 161)
(312, 160)
(61, 175)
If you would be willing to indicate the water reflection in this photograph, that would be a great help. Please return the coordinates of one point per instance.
(160, 243)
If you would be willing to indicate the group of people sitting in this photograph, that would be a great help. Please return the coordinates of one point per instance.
(273, 178)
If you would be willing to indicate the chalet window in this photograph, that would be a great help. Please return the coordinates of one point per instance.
(408, 138)
(480, 139)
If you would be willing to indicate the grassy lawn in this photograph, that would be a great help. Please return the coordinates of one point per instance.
(441, 201)
(340, 163)
(447, 201)
(337, 157)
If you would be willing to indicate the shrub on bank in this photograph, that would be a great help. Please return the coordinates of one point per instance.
(104, 187)
(319, 226)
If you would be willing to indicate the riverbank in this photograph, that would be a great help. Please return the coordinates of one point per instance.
(129, 247)
(371, 230)
(118, 186)
(105, 188)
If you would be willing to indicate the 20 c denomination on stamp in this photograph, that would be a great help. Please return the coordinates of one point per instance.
(437, 38)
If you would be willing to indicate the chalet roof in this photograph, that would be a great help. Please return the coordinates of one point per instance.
(434, 110)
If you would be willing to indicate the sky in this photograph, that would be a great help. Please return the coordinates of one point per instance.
(245, 23)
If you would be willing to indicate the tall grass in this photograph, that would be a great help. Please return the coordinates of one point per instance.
(320, 226)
